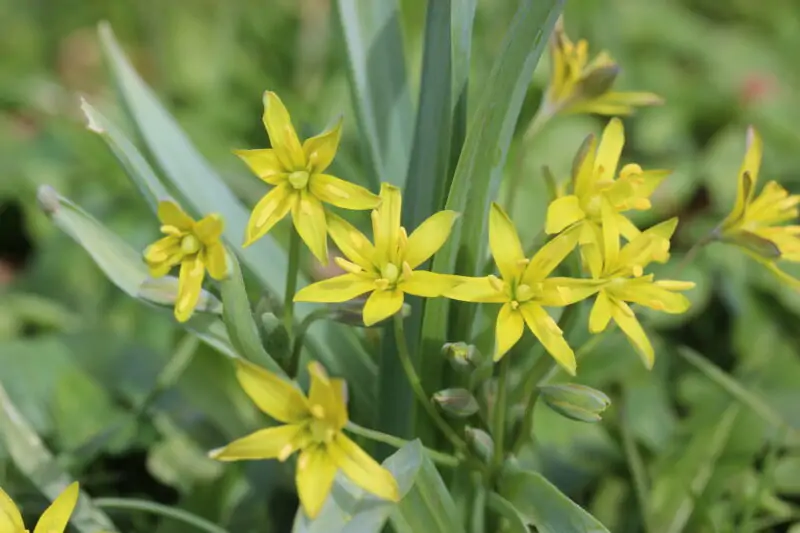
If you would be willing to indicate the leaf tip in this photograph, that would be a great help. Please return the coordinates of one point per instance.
(91, 120)
(48, 199)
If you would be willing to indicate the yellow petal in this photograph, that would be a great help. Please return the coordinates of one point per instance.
(609, 150)
(381, 305)
(216, 260)
(601, 313)
(751, 163)
(264, 164)
(362, 469)
(335, 290)
(631, 98)
(282, 135)
(549, 334)
(56, 517)
(268, 211)
(164, 250)
(504, 243)
(549, 256)
(626, 320)
(170, 214)
(321, 149)
(479, 290)
(209, 229)
(610, 236)
(429, 237)
(428, 284)
(270, 443)
(341, 193)
(508, 330)
(386, 224)
(277, 397)
(314, 477)
(644, 292)
(558, 292)
(583, 168)
(308, 216)
(326, 397)
(10, 518)
(190, 284)
(626, 227)
(562, 213)
(353, 244)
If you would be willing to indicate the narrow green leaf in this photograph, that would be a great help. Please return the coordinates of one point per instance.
(758, 245)
(542, 505)
(480, 166)
(205, 192)
(126, 153)
(124, 266)
(515, 523)
(37, 463)
(381, 97)
(238, 317)
(462, 17)
(736, 389)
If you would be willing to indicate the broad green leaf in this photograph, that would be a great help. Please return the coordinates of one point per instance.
(381, 96)
(136, 167)
(542, 505)
(787, 475)
(122, 265)
(239, 321)
(349, 509)
(37, 463)
(480, 166)
(515, 523)
(205, 192)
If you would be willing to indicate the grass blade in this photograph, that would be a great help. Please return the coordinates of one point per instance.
(381, 96)
(37, 463)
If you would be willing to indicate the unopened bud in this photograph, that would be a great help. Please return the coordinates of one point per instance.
(456, 402)
(480, 443)
(576, 402)
(276, 338)
(462, 356)
(597, 82)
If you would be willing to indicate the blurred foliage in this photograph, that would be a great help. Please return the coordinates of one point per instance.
(79, 358)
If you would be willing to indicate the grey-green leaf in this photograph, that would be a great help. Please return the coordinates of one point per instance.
(542, 505)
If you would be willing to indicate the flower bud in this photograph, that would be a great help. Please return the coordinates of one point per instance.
(276, 338)
(462, 356)
(576, 402)
(480, 442)
(456, 402)
(597, 82)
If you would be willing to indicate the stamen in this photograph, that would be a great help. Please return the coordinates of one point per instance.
(496, 283)
(382, 284)
(407, 271)
(285, 452)
(318, 411)
(347, 266)
(514, 305)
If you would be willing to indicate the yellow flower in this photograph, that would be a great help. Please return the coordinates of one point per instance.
(525, 289)
(753, 223)
(386, 269)
(53, 520)
(311, 425)
(297, 172)
(599, 196)
(624, 281)
(580, 86)
(195, 246)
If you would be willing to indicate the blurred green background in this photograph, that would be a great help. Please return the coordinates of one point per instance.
(77, 356)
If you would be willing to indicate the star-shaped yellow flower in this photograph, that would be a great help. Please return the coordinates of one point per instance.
(599, 196)
(311, 425)
(754, 222)
(385, 269)
(580, 86)
(300, 184)
(195, 246)
(623, 278)
(53, 520)
(525, 289)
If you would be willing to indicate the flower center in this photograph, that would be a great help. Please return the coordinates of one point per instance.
(299, 179)
(319, 427)
(190, 244)
(390, 273)
(593, 206)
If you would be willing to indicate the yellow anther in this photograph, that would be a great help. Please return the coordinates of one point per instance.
(407, 271)
(514, 305)
(285, 452)
(347, 266)
(381, 284)
(496, 283)
(170, 230)
(522, 263)
(190, 244)
(318, 411)
(641, 204)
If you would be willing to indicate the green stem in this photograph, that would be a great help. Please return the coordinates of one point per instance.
(499, 416)
(416, 386)
(444, 459)
(544, 364)
(302, 328)
(696, 247)
(291, 281)
(635, 465)
(169, 375)
(158, 509)
(543, 115)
